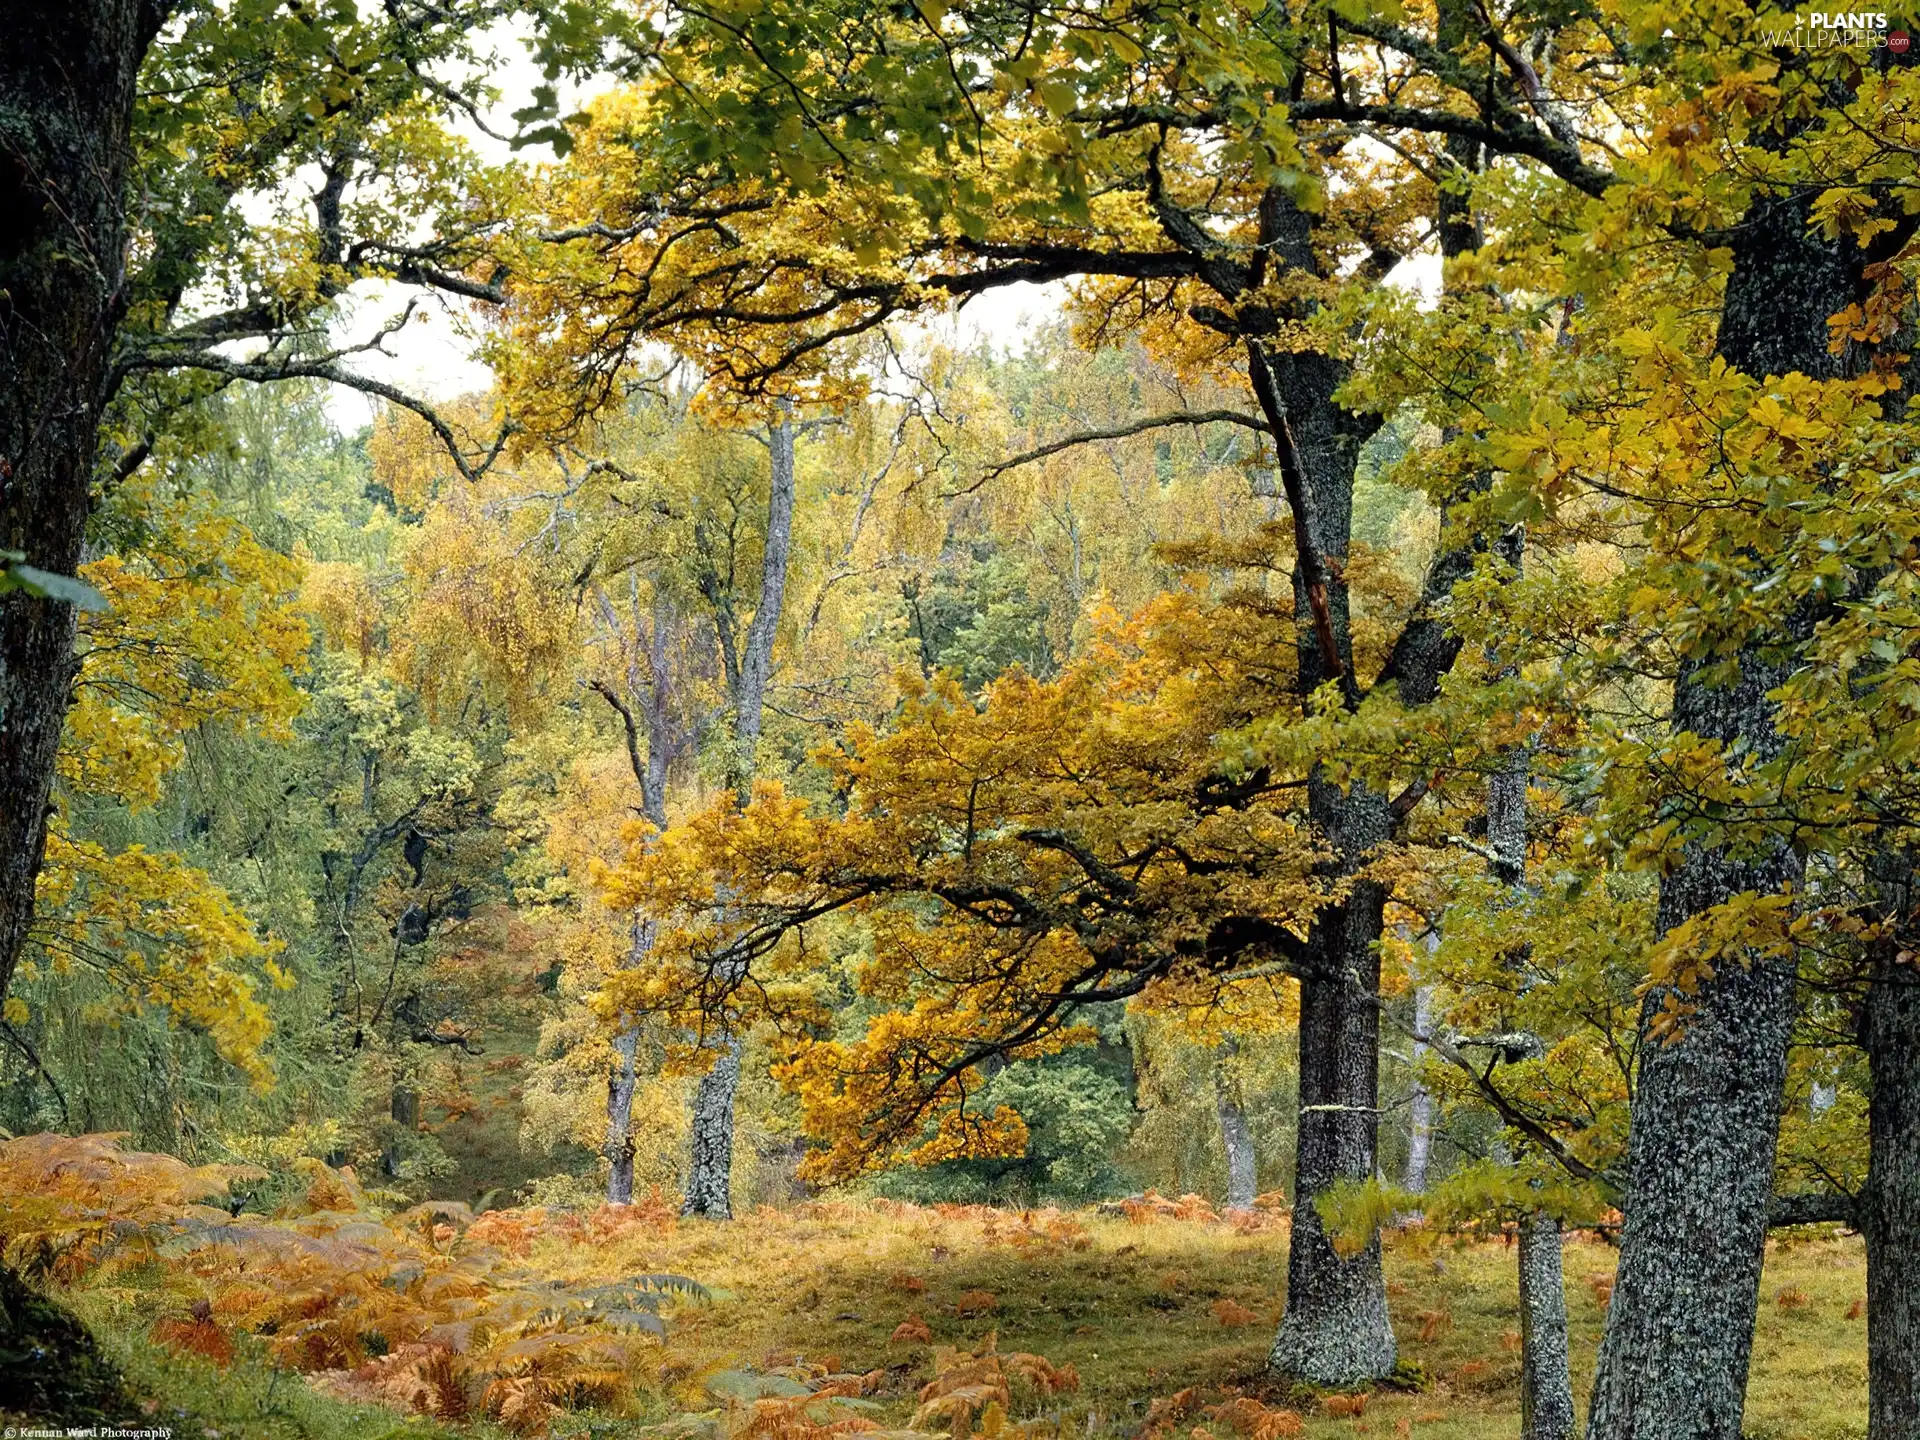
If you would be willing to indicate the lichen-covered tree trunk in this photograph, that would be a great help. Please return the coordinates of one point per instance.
(710, 1176)
(1546, 1392)
(621, 1084)
(1891, 1213)
(67, 73)
(1705, 1122)
(710, 1167)
(1236, 1135)
(1706, 1111)
(1336, 1330)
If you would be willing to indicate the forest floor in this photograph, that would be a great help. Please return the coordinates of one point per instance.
(1144, 1304)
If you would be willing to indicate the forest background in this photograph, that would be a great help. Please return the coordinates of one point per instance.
(1432, 753)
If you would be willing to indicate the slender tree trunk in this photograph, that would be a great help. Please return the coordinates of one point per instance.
(67, 73)
(1891, 1029)
(403, 1108)
(1236, 1136)
(710, 1173)
(655, 689)
(1420, 1102)
(619, 1143)
(710, 1177)
(622, 1081)
(1706, 1110)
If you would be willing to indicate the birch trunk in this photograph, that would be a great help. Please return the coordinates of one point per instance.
(710, 1169)
(621, 1084)
(1420, 1103)
(1236, 1136)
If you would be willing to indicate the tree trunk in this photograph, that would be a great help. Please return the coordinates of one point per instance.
(403, 1108)
(1236, 1136)
(619, 1144)
(710, 1177)
(1706, 1110)
(67, 75)
(1705, 1121)
(1891, 1029)
(1420, 1103)
(1546, 1389)
(1336, 1330)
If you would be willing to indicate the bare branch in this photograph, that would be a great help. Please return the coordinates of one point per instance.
(1118, 432)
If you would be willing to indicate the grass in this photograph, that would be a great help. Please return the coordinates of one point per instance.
(1131, 1303)
(1134, 1303)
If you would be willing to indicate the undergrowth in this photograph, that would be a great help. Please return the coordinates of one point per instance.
(1148, 1320)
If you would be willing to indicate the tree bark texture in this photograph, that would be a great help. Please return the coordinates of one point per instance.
(1236, 1136)
(1891, 1030)
(710, 1176)
(1420, 1102)
(1546, 1389)
(67, 74)
(710, 1172)
(1335, 1330)
(619, 1143)
(1706, 1112)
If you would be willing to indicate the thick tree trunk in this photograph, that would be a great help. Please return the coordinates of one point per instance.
(1336, 1330)
(1706, 1118)
(67, 74)
(710, 1176)
(1546, 1390)
(1706, 1112)
(1236, 1136)
(1891, 1029)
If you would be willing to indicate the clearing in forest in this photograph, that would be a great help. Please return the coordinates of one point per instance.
(1149, 1318)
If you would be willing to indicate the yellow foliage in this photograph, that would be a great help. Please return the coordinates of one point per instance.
(167, 935)
(990, 855)
(201, 627)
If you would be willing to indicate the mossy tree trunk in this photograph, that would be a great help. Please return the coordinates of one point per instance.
(1706, 1112)
(67, 74)
(1891, 1212)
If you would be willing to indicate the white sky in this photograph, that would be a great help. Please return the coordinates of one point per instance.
(436, 362)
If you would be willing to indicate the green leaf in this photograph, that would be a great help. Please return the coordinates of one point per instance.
(32, 580)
